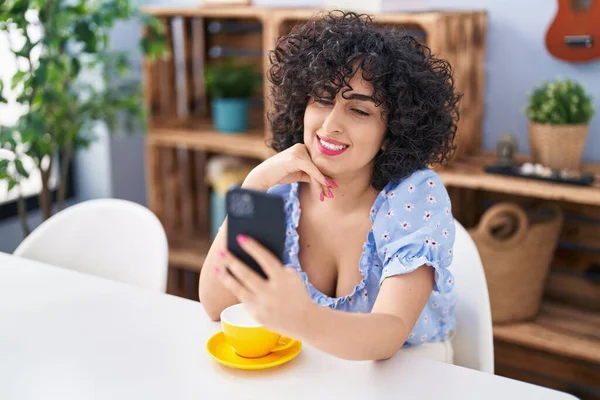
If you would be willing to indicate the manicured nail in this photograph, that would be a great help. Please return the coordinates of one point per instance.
(241, 239)
(330, 193)
(328, 183)
(322, 196)
(334, 185)
(217, 270)
(222, 253)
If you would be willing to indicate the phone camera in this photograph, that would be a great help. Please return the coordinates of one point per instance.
(241, 205)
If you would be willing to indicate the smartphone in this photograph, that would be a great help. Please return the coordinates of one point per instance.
(259, 215)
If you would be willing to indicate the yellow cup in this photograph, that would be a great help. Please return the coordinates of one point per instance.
(248, 338)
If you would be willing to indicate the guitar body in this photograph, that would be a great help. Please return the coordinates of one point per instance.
(574, 34)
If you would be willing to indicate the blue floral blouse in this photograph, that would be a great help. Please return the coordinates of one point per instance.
(412, 226)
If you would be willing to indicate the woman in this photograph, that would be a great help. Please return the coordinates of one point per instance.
(359, 113)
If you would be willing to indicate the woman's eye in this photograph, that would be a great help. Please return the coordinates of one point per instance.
(361, 112)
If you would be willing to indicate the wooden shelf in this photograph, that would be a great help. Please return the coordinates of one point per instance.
(188, 252)
(469, 173)
(558, 329)
(203, 137)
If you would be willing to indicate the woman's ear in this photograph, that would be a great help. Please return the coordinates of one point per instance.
(384, 145)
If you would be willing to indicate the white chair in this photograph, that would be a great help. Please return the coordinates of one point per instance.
(473, 340)
(110, 238)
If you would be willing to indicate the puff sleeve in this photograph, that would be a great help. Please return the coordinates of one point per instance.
(414, 226)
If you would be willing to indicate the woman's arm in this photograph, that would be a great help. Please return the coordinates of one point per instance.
(213, 296)
(380, 334)
(291, 165)
(283, 304)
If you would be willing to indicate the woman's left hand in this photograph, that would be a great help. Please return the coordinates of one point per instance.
(281, 303)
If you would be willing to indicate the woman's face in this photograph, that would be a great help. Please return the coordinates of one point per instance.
(343, 135)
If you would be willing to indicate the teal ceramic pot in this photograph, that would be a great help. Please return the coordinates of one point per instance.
(230, 115)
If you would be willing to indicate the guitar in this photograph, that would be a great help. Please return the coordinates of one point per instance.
(574, 34)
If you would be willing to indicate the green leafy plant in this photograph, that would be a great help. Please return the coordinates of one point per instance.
(560, 102)
(68, 80)
(231, 79)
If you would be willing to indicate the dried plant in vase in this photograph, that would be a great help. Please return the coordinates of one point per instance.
(559, 113)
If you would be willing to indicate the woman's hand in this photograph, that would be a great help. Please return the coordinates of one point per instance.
(291, 165)
(281, 303)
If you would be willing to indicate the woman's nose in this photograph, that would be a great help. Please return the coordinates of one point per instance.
(335, 120)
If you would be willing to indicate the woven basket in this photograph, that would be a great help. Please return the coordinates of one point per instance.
(516, 249)
(558, 146)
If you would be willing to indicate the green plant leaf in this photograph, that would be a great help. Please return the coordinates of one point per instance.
(19, 7)
(2, 98)
(231, 79)
(21, 169)
(562, 101)
(17, 78)
(85, 34)
(12, 184)
(75, 66)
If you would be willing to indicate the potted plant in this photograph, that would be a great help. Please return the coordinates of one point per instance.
(558, 113)
(230, 85)
(67, 80)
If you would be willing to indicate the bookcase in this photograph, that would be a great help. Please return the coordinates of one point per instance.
(181, 138)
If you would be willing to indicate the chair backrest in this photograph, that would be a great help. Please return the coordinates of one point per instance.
(114, 239)
(473, 340)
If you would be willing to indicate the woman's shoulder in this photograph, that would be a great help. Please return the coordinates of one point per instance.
(424, 179)
(422, 186)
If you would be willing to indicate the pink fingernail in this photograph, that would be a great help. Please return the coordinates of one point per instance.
(330, 193)
(241, 239)
(217, 270)
(222, 253)
(334, 185)
(322, 196)
(328, 183)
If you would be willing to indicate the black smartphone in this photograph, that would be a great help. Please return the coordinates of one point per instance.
(259, 215)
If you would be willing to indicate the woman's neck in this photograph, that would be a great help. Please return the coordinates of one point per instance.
(354, 190)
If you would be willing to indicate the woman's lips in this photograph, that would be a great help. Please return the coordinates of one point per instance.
(330, 147)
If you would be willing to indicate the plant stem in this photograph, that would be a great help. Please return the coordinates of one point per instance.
(64, 171)
(45, 201)
(23, 213)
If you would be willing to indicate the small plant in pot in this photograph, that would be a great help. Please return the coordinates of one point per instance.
(559, 113)
(230, 85)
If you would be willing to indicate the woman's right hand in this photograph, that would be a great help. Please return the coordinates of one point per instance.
(291, 165)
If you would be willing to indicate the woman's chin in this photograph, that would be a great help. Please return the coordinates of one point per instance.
(326, 166)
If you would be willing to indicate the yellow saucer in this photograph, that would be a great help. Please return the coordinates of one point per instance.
(222, 352)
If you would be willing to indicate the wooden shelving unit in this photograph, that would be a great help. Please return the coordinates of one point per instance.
(468, 173)
(181, 138)
(559, 349)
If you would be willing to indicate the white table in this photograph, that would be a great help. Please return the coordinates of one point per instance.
(65, 335)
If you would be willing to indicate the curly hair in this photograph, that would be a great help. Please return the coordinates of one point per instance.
(415, 89)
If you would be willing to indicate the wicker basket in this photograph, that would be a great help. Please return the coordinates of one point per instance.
(557, 146)
(516, 249)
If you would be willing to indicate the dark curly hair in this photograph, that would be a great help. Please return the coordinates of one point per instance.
(415, 89)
